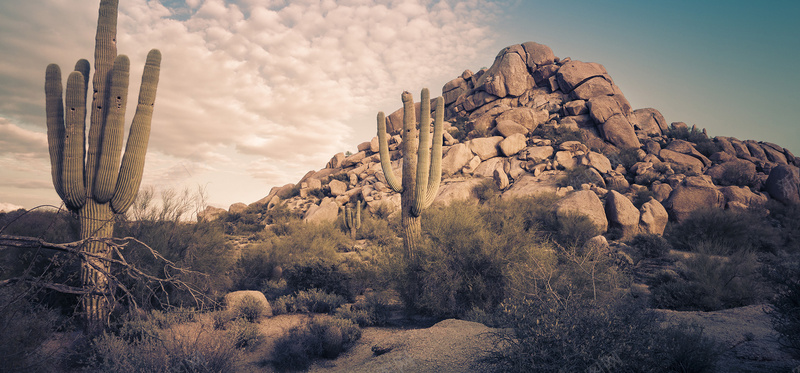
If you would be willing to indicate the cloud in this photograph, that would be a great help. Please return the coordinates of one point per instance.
(8, 207)
(270, 89)
(21, 143)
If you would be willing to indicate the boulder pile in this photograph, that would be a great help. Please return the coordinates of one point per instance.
(531, 120)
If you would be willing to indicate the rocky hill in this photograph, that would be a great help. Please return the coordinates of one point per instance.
(532, 123)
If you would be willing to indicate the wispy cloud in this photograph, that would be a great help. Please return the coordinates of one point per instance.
(270, 88)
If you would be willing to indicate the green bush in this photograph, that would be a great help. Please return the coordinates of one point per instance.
(323, 275)
(577, 176)
(785, 306)
(554, 334)
(304, 301)
(25, 327)
(724, 231)
(373, 310)
(469, 254)
(650, 245)
(625, 157)
(250, 308)
(244, 333)
(168, 352)
(486, 190)
(710, 283)
(323, 337)
(558, 134)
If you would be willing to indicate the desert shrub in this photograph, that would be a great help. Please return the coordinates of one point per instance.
(736, 173)
(250, 308)
(169, 352)
(725, 230)
(625, 157)
(573, 230)
(323, 337)
(323, 275)
(709, 283)
(785, 306)
(566, 335)
(25, 327)
(486, 190)
(650, 245)
(462, 127)
(466, 259)
(373, 310)
(641, 197)
(577, 176)
(558, 134)
(304, 301)
(256, 266)
(273, 289)
(377, 231)
(201, 247)
(244, 333)
(786, 221)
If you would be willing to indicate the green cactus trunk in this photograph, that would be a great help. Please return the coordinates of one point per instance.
(352, 219)
(92, 181)
(422, 167)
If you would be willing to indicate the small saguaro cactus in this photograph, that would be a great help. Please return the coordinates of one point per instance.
(352, 219)
(92, 181)
(422, 166)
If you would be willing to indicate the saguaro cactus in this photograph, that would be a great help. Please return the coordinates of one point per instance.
(422, 166)
(92, 181)
(352, 219)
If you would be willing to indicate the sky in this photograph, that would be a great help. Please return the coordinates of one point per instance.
(255, 93)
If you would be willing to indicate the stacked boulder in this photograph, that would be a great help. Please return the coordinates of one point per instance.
(507, 112)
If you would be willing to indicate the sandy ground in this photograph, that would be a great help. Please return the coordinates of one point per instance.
(746, 335)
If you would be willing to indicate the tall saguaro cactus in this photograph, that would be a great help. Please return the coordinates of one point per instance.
(422, 166)
(92, 181)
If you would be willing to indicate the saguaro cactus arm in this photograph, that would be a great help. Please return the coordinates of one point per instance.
(386, 159)
(429, 164)
(54, 108)
(130, 172)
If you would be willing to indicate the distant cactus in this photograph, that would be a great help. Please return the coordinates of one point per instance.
(352, 219)
(91, 180)
(422, 166)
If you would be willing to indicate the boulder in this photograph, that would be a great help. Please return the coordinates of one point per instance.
(510, 127)
(566, 159)
(774, 153)
(487, 167)
(527, 117)
(602, 108)
(500, 178)
(210, 213)
(485, 147)
(508, 74)
(742, 196)
(653, 217)
(756, 151)
(618, 131)
(511, 145)
(326, 211)
(693, 193)
(457, 191)
(539, 154)
(538, 55)
(683, 161)
(575, 73)
(472, 165)
(237, 208)
(622, 214)
(783, 184)
(336, 161)
(616, 181)
(456, 158)
(576, 107)
(353, 159)
(338, 188)
(235, 299)
(688, 148)
(584, 202)
(660, 191)
(598, 161)
(596, 244)
(649, 120)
